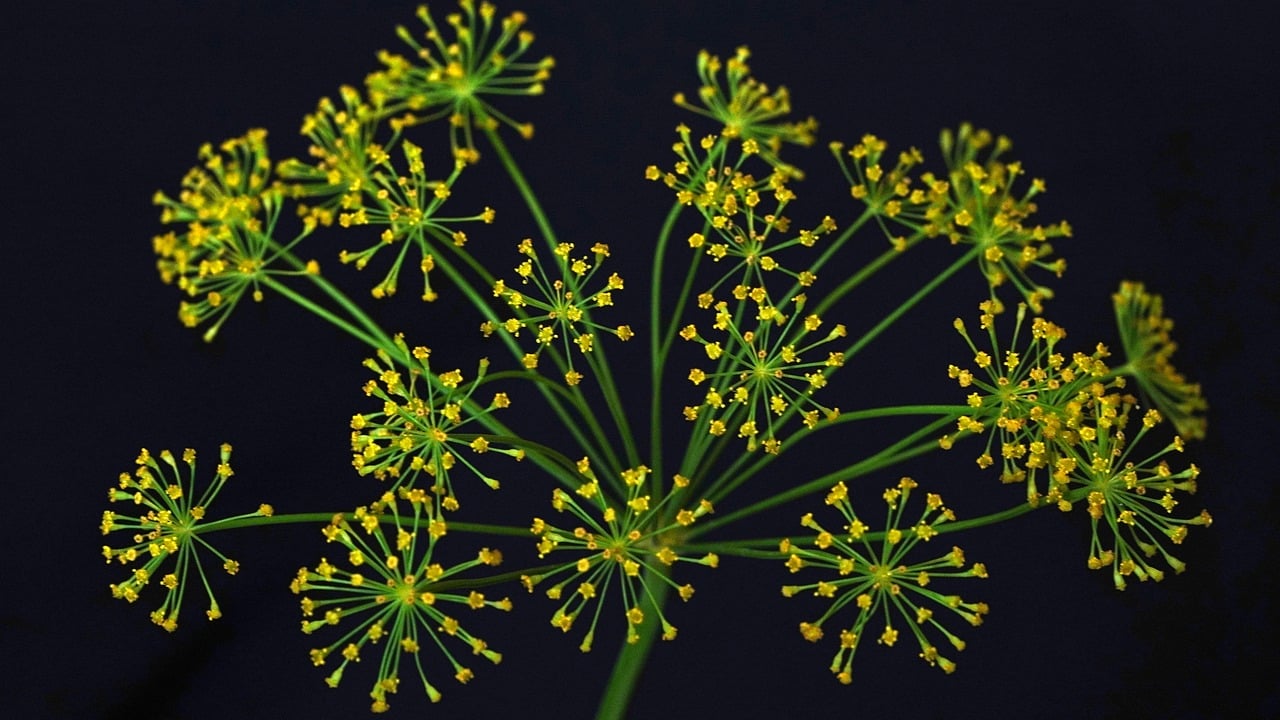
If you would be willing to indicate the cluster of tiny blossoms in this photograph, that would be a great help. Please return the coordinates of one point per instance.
(1060, 425)
(483, 59)
(428, 423)
(975, 204)
(228, 207)
(872, 573)
(557, 307)
(762, 374)
(394, 594)
(1145, 334)
(168, 523)
(746, 108)
(627, 544)
(359, 182)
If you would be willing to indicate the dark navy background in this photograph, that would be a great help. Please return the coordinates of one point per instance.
(1154, 124)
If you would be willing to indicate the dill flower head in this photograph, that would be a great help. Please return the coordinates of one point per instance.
(345, 154)
(390, 591)
(745, 234)
(455, 78)
(168, 523)
(1026, 396)
(556, 307)
(765, 371)
(1130, 497)
(1145, 334)
(974, 203)
(427, 424)
(625, 543)
(746, 108)
(870, 571)
(229, 208)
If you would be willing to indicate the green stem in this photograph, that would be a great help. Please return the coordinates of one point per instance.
(632, 657)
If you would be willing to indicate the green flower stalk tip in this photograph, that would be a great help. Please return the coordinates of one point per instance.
(171, 514)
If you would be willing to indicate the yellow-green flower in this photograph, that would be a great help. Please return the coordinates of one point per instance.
(1026, 396)
(1130, 498)
(428, 423)
(456, 77)
(1145, 334)
(746, 108)
(229, 208)
(769, 364)
(389, 590)
(169, 522)
(975, 203)
(870, 571)
(623, 544)
(557, 308)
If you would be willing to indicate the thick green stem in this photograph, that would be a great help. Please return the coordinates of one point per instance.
(633, 656)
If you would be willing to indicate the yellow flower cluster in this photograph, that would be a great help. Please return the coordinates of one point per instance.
(709, 176)
(1145, 333)
(871, 572)
(229, 207)
(1062, 423)
(627, 543)
(558, 309)
(168, 524)
(762, 375)
(974, 203)
(747, 109)
(424, 426)
(394, 592)
(450, 78)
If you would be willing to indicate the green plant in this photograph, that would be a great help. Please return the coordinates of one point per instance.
(747, 333)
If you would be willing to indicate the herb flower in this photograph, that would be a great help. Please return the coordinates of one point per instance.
(762, 374)
(169, 523)
(747, 108)
(429, 423)
(229, 208)
(974, 204)
(558, 308)
(1026, 397)
(627, 544)
(1145, 334)
(871, 573)
(394, 594)
(458, 75)
(1130, 498)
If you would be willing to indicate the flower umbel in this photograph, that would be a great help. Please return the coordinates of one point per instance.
(747, 108)
(429, 424)
(395, 594)
(1130, 501)
(230, 209)
(1145, 334)
(627, 544)
(872, 573)
(557, 307)
(974, 204)
(456, 77)
(168, 524)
